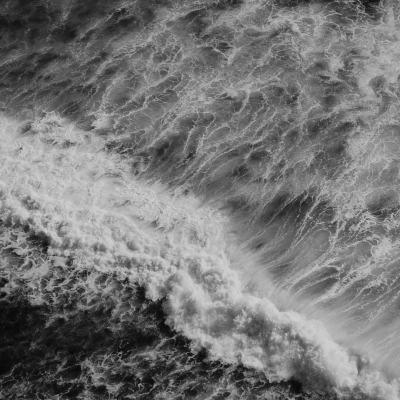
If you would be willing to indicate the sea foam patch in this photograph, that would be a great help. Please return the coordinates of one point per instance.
(88, 206)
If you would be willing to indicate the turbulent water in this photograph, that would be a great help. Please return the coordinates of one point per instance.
(200, 199)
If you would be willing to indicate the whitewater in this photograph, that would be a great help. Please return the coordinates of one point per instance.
(238, 162)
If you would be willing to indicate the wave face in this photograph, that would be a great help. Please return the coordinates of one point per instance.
(200, 199)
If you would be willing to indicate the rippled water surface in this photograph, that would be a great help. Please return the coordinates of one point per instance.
(200, 199)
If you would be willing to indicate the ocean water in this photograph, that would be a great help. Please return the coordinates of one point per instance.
(200, 199)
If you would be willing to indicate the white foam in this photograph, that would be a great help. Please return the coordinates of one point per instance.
(88, 204)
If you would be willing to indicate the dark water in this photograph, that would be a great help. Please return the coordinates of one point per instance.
(200, 199)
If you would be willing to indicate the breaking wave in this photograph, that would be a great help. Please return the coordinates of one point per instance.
(89, 207)
(236, 160)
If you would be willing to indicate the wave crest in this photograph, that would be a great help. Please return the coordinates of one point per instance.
(86, 204)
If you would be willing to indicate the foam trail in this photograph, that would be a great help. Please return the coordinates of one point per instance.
(89, 207)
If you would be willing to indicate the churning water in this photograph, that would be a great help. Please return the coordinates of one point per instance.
(200, 199)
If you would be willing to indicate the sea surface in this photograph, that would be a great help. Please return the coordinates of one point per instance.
(200, 199)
